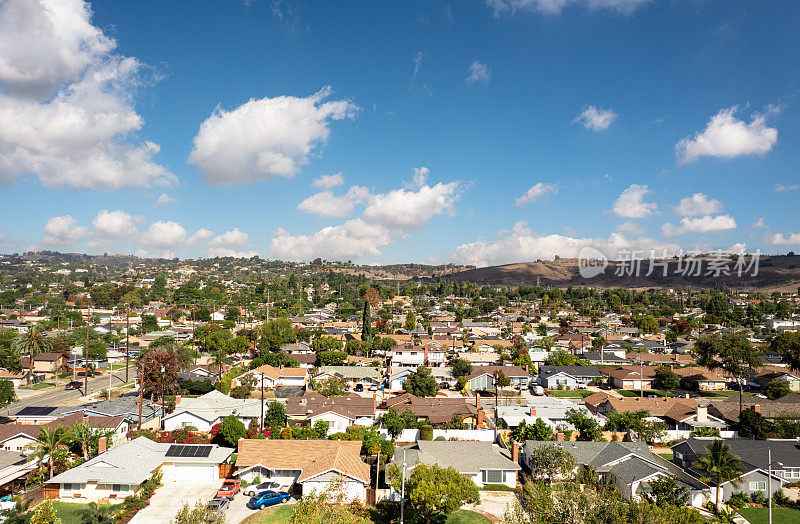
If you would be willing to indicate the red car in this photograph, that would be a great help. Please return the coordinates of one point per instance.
(228, 489)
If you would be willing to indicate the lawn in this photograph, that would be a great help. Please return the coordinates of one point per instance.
(464, 516)
(667, 456)
(274, 515)
(647, 392)
(68, 511)
(720, 393)
(569, 393)
(779, 515)
(38, 385)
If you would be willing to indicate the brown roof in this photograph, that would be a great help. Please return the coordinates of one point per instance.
(312, 403)
(673, 408)
(729, 408)
(436, 409)
(699, 373)
(595, 399)
(275, 373)
(660, 358)
(10, 430)
(629, 372)
(311, 457)
(508, 371)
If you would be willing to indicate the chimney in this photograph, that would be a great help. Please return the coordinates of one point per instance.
(533, 412)
(374, 401)
(177, 399)
(426, 355)
(514, 451)
(85, 417)
(702, 413)
(102, 443)
(481, 424)
(478, 401)
(560, 436)
(757, 408)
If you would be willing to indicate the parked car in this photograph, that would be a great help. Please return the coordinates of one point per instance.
(229, 488)
(268, 498)
(444, 385)
(73, 384)
(373, 387)
(359, 388)
(218, 506)
(537, 390)
(605, 386)
(252, 491)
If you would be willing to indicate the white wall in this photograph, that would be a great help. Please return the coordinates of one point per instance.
(411, 435)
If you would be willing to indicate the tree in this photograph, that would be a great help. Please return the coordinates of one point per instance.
(330, 387)
(666, 379)
(366, 323)
(231, 430)
(433, 490)
(94, 514)
(159, 372)
(9, 359)
(539, 430)
(331, 506)
(393, 423)
(411, 321)
(232, 313)
(548, 461)
(81, 434)
(718, 465)
(421, 383)
(589, 428)
(50, 444)
(777, 389)
(730, 352)
(7, 392)
(202, 314)
(277, 332)
(149, 323)
(174, 315)
(753, 424)
(560, 357)
(275, 417)
(668, 492)
(199, 514)
(460, 367)
(501, 380)
(788, 345)
(45, 513)
(326, 343)
(331, 358)
(32, 344)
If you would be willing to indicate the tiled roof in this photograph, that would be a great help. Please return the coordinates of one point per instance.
(350, 406)
(311, 457)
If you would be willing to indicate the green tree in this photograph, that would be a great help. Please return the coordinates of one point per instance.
(460, 367)
(393, 422)
(666, 379)
(331, 358)
(421, 383)
(197, 514)
(753, 424)
(411, 321)
(539, 430)
(330, 387)
(548, 461)
(366, 323)
(730, 352)
(81, 434)
(433, 491)
(232, 429)
(326, 343)
(149, 323)
(788, 345)
(50, 444)
(777, 389)
(277, 332)
(45, 513)
(718, 465)
(589, 428)
(31, 344)
(7, 392)
(275, 417)
(330, 506)
(668, 491)
(95, 514)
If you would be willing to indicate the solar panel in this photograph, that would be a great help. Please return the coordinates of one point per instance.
(173, 451)
(183, 450)
(36, 411)
(203, 451)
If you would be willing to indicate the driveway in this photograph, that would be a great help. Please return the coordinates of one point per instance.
(494, 503)
(169, 498)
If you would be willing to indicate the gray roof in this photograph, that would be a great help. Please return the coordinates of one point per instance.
(754, 452)
(464, 456)
(125, 406)
(575, 371)
(132, 463)
(215, 404)
(9, 458)
(351, 372)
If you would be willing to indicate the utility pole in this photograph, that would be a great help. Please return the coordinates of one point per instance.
(127, 341)
(141, 393)
(403, 487)
(85, 354)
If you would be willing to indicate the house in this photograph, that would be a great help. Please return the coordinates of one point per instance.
(437, 410)
(46, 364)
(305, 466)
(768, 374)
(552, 410)
(14, 437)
(630, 377)
(411, 356)
(728, 409)
(209, 409)
(14, 469)
(482, 377)
(126, 406)
(270, 377)
(754, 457)
(367, 376)
(677, 413)
(568, 377)
(482, 462)
(396, 379)
(16, 378)
(629, 466)
(120, 471)
(337, 412)
(700, 379)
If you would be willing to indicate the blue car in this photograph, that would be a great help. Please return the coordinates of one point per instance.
(268, 498)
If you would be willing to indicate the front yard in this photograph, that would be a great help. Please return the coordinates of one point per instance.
(779, 515)
(281, 515)
(569, 393)
(38, 385)
(68, 511)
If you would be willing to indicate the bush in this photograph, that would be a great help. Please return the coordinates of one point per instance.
(758, 497)
(231, 430)
(426, 433)
(780, 499)
(440, 438)
(739, 499)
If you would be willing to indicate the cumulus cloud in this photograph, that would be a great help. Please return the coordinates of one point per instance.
(704, 224)
(265, 138)
(232, 238)
(479, 72)
(164, 235)
(164, 199)
(227, 252)
(512, 7)
(404, 209)
(115, 224)
(326, 204)
(631, 204)
(535, 192)
(595, 118)
(725, 136)
(66, 101)
(522, 244)
(787, 187)
(790, 239)
(201, 236)
(63, 231)
(328, 181)
(420, 177)
(631, 228)
(697, 204)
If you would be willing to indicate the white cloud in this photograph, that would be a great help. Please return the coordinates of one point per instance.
(596, 118)
(788, 187)
(791, 239)
(115, 224)
(417, 64)
(164, 199)
(66, 101)
(725, 136)
(326, 204)
(631, 228)
(353, 239)
(63, 231)
(761, 222)
(704, 224)
(265, 138)
(697, 204)
(230, 239)
(420, 177)
(403, 209)
(536, 191)
(522, 244)
(201, 236)
(164, 235)
(328, 181)
(631, 204)
(227, 252)
(479, 72)
(555, 6)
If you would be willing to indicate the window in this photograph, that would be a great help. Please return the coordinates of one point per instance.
(792, 473)
(71, 487)
(119, 487)
(493, 476)
(678, 455)
(758, 486)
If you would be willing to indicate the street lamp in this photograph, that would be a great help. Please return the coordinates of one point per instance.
(769, 480)
(163, 388)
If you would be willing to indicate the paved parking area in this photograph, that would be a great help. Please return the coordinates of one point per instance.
(169, 498)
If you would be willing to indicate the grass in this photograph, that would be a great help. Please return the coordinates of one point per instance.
(667, 456)
(720, 393)
(68, 511)
(779, 515)
(496, 487)
(569, 393)
(647, 392)
(38, 385)
(464, 516)
(273, 515)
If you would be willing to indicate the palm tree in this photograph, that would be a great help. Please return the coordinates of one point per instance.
(718, 466)
(47, 444)
(32, 344)
(82, 434)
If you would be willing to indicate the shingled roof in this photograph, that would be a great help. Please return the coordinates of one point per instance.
(311, 457)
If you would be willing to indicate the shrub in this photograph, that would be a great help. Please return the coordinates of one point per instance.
(758, 497)
(440, 438)
(426, 432)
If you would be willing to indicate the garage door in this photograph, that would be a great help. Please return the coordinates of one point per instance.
(195, 471)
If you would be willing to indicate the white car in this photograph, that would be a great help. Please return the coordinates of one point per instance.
(253, 489)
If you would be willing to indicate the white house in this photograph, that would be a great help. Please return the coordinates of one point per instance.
(209, 409)
(270, 377)
(411, 356)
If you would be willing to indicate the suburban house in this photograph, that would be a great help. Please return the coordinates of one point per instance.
(397, 378)
(209, 409)
(482, 377)
(45, 364)
(14, 437)
(630, 377)
(411, 356)
(120, 471)
(16, 378)
(483, 462)
(270, 377)
(437, 410)
(677, 413)
(700, 379)
(337, 412)
(630, 466)
(568, 377)
(754, 457)
(552, 410)
(305, 466)
(368, 376)
(14, 469)
(728, 409)
(768, 374)
(126, 406)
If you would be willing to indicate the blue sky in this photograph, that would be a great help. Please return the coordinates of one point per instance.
(473, 132)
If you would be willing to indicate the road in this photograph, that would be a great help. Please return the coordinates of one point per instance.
(57, 396)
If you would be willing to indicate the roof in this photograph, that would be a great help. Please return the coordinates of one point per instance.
(464, 456)
(351, 372)
(436, 409)
(674, 408)
(276, 373)
(629, 372)
(215, 404)
(575, 371)
(311, 457)
(509, 371)
(754, 452)
(312, 403)
(9, 458)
